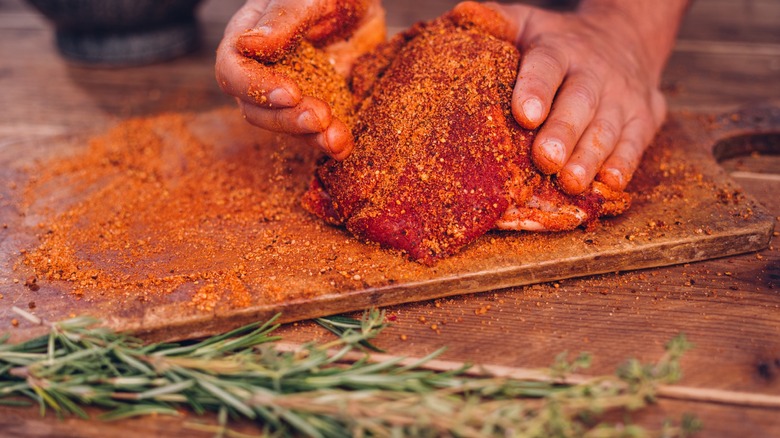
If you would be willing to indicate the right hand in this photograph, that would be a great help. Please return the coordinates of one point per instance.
(273, 101)
(590, 81)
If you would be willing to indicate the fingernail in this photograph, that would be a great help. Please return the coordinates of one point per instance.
(577, 171)
(572, 179)
(321, 139)
(280, 97)
(532, 108)
(309, 121)
(263, 30)
(329, 142)
(614, 178)
(554, 151)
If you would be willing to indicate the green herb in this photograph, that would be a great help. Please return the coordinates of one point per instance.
(340, 325)
(314, 390)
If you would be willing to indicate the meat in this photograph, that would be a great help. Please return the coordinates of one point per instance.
(439, 159)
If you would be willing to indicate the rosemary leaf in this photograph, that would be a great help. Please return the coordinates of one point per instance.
(343, 326)
(129, 411)
(68, 405)
(46, 400)
(227, 398)
(32, 345)
(173, 388)
(130, 361)
(425, 359)
(302, 425)
(14, 402)
(7, 388)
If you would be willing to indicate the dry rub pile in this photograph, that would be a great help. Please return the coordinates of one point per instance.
(167, 202)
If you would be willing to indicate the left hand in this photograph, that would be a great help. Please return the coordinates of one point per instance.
(265, 30)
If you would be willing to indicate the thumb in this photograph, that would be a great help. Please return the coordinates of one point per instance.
(488, 17)
(278, 29)
(517, 17)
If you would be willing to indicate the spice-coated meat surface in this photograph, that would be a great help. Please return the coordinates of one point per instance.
(439, 159)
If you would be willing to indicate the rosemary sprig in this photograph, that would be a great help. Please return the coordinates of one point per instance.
(313, 390)
(340, 325)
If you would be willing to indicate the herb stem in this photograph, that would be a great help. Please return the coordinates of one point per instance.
(332, 389)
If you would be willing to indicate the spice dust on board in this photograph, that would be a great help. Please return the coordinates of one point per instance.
(202, 205)
(202, 212)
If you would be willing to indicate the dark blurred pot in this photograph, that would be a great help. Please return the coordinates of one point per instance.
(122, 32)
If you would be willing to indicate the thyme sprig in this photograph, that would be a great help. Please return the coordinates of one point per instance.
(313, 390)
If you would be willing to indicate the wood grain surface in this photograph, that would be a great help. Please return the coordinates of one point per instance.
(728, 57)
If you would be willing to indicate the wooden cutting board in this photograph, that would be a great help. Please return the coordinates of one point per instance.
(685, 209)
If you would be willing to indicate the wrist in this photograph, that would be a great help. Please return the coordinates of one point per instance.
(648, 27)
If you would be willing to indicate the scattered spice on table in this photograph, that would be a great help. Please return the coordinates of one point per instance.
(151, 206)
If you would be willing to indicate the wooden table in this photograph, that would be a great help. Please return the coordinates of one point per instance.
(728, 55)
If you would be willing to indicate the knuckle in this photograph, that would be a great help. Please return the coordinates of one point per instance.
(223, 79)
(279, 120)
(644, 129)
(629, 164)
(583, 93)
(562, 128)
(593, 156)
(606, 132)
(535, 86)
(629, 153)
(547, 58)
(260, 117)
(658, 107)
(244, 113)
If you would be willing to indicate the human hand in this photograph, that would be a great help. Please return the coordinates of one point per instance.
(590, 79)
(265, 30)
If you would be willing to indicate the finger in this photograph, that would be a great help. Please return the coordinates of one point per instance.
(542, 70)
(278, 29)
(247, 79)
(336, 141)
(624, 160)
(571, 113)
(310, 116)
(592, 150)
(255, 83)
(658, 108)
(245, 18)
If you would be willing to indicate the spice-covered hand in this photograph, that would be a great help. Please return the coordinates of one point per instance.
(590, 79)
(344, 28)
